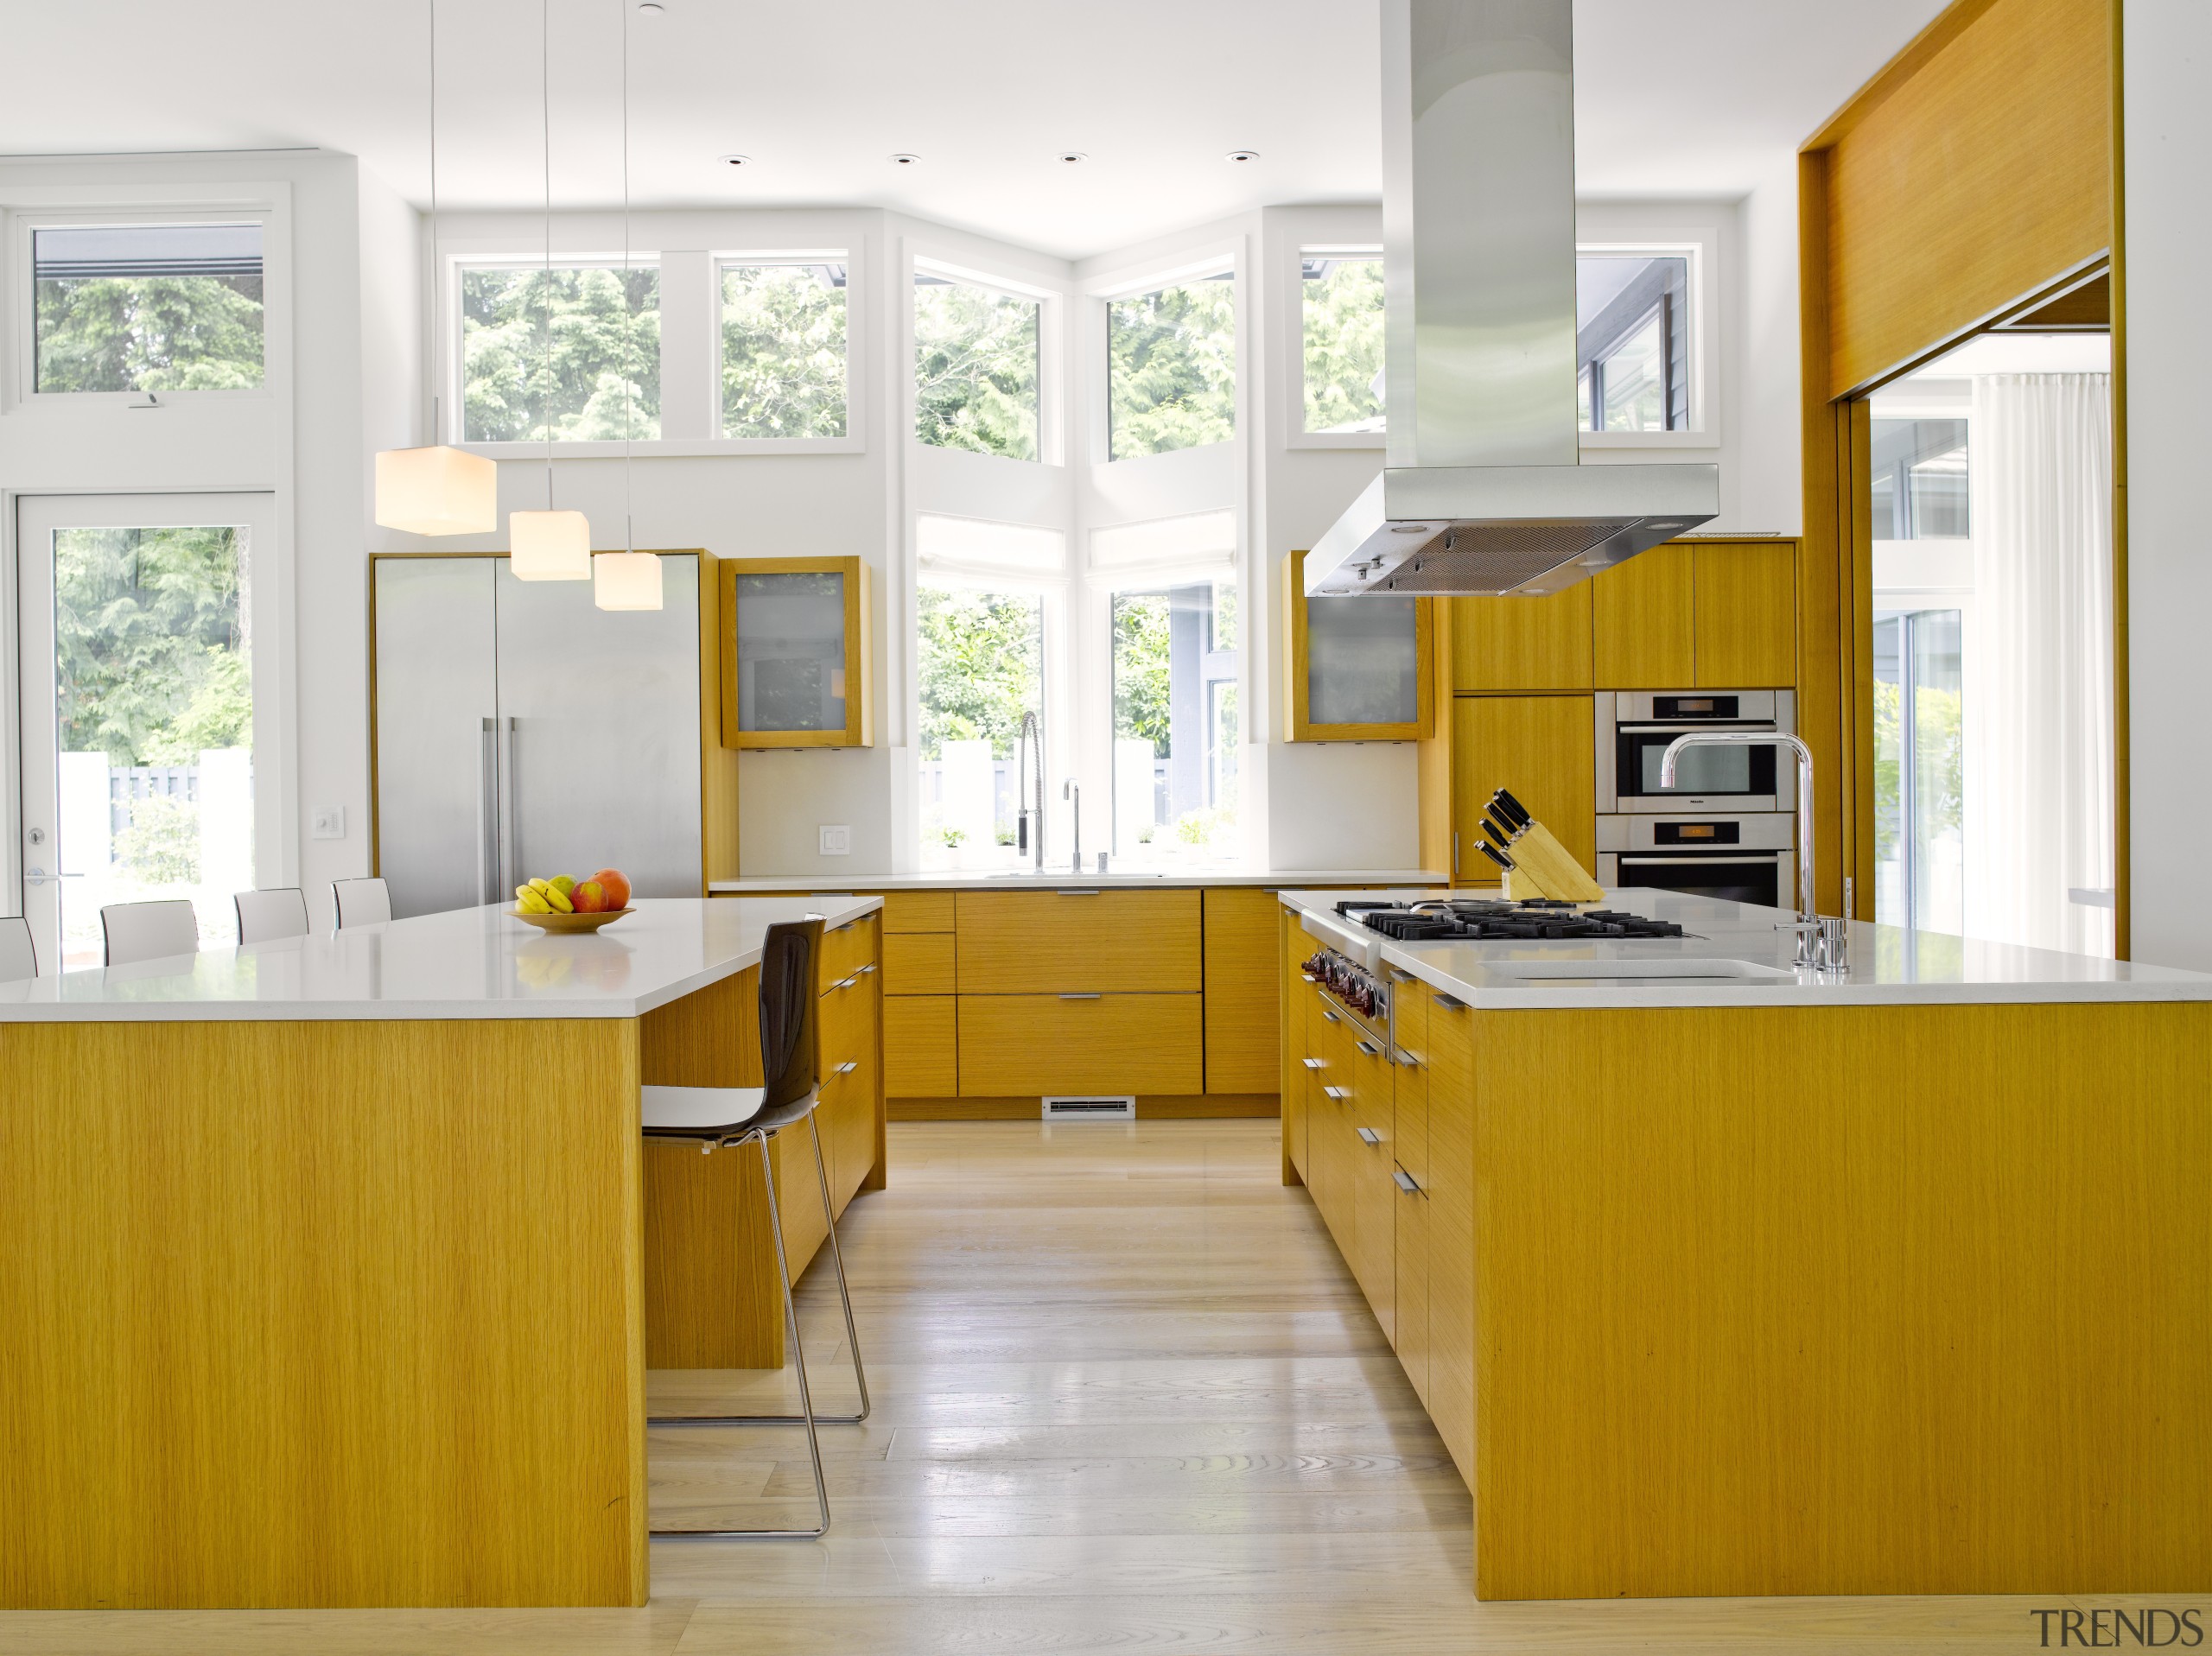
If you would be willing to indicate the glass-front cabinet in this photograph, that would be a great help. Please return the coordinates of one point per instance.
(1355, 665)
(795, 652)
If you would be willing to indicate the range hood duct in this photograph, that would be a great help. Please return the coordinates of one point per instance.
(1482, 492)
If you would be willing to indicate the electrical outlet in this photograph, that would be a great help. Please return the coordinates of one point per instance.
(837, 840)
(328, 822)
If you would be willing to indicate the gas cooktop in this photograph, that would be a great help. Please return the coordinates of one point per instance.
(1469, 921)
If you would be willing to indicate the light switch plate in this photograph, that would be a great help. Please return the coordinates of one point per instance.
(328, 822)
(837, 840)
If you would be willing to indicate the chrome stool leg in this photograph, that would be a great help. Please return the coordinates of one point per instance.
(852, 1333)
(806, 1398)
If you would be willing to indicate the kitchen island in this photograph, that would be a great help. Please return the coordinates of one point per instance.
(1720, 1277)
(331, 1268)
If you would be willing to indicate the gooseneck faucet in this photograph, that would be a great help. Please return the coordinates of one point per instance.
(1029, 830)
(1818, 943)
(1072, 790)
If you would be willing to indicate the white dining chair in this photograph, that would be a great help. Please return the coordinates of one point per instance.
(263, 915)
(18, 959)
(150, 931)
(360, 902)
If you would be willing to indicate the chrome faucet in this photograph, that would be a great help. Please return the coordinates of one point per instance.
(1821, 943)
(1073, 789)
(1029, 825)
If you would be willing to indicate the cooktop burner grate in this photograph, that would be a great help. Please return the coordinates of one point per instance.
(1539, 920)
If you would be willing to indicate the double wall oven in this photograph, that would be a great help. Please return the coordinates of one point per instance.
(1725, 829)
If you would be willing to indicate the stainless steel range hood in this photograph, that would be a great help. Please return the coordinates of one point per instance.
(1482, 492)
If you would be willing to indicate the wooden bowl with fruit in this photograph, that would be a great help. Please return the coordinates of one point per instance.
(563, 902)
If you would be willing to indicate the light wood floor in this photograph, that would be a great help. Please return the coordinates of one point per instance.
(1127, 1398)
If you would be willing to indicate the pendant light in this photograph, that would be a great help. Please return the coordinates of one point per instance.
(628, 580)
(438, 489)
(548, 545)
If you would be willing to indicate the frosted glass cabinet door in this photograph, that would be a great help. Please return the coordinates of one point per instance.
(1363, 661)
(791, 652)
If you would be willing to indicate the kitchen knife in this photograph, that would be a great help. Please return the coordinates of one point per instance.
(1505, 823)
(1499, 858)
(1495, 835)
(1512, 808)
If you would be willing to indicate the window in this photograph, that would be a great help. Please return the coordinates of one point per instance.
(1171, 367)
(1920, 479)
(147, 308)
(976, 356)
(1632, 342)
(784, 348)
(1344, 341)
(1919, 771)
(980, 654)
(568, 355)
(1176, 724)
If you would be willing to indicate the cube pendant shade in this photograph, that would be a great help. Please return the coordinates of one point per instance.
(440, 490)
(548, 546)
(626, 581)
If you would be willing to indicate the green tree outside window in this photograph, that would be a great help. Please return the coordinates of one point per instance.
(1344, 345)
(572, 355)
(976, 369)
(149, 334)
(1172, 368)
(783, 350)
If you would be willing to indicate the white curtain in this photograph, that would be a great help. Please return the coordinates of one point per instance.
(2038, 666)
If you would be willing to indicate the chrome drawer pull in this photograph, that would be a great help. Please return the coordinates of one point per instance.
(1369, 1136)
(865, 970)
(1308, 977)
(1450, 1005)
(846, 1069)
(844, 983)
(1314, 1063)
(1340, 1094)
(1088, 891)
(1331, 1016)
(1368, 1048)
(1405, 1181)
(1396, 976)
(1408, 1060)
(1082, 997)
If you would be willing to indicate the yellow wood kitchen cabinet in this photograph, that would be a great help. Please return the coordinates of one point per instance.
(1542, 749)
(1036, 1045)
(1644, 621)
(1079, 940)
(919, 963)
(917, 911)
(795, 650)
(1746, 595)
(1296, 994)
(1522, 643)
(1354, 664)
(1244, 1041)
(921, 1046)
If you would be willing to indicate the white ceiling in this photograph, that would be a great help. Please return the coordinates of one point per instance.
(1674, 97)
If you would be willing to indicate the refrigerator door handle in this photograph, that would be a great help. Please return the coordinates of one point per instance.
(510, 811)
(487, 815)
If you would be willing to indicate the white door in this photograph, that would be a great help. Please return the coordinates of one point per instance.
(150, 714)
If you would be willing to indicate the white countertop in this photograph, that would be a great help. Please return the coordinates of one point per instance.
(1889, 966)
(1061, 878)
(467, 964)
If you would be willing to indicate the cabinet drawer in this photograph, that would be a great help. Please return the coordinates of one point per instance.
(920, 1047)
(1012, 1046)
(847, 949)
(1244, 991)
(847, 1023)
(917, 963)
(917, 912)
(1032, 943)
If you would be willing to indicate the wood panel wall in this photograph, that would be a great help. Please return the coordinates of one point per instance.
(1967, 183)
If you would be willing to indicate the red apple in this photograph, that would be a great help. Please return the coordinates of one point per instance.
(616, 885)
(590, 896)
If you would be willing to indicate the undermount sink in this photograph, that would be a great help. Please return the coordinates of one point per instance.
(1586, 973)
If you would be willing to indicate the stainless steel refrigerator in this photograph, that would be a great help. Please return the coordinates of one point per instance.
(522, 730)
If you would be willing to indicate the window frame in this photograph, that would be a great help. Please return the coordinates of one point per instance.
(1226, 259)
(453, 365)
(85, 210)
(855, 441)
(1700, 365)
(1296, 435)
(1052, 421)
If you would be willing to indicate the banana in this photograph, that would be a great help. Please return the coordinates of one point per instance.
(540, 885)
(532, 902)
(559, 899)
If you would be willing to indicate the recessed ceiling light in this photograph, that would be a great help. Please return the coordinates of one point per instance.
(902, 159)
(736, 161)
(1072, 156)
(1243, 154)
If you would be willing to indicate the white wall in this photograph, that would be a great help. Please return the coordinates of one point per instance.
(2168, 122)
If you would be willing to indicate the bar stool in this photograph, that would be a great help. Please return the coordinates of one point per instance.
(18, 960)
(149, 931)
(265, 915)
(722, 1117)
(360, 902)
